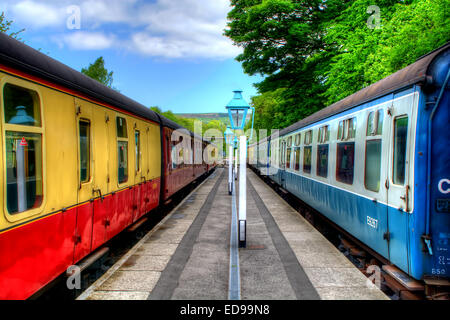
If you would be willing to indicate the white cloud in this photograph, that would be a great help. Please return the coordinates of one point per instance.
(38, 14)
(158, 28)
(88, 41)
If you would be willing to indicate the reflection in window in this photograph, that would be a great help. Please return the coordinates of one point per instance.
(22, 106)
(288, 158)
(121, 128)
(373, 165)
(123, 161)
(297, 139)
(24, 188)
(174, 157)
(345, 162)
(400, 140)
(375, 123)
(340, 135)
(307, 159)
(308, 137)
(85, 151)
(322, 160)
(297, 159)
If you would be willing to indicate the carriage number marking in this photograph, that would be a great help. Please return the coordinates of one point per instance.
(372, 222)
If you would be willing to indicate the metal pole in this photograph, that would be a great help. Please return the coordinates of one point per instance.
(235, 164)
(243, 193)
(230, 169)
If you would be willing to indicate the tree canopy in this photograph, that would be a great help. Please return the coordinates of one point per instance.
(314, 52)
(98, 72)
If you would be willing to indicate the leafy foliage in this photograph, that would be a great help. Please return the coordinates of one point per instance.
(98, 72)
(189, 123)
(314, 53)
(6, 25)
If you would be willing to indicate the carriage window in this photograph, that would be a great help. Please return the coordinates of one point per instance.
(122, 150)
(123, 161)
(174, 157)
(289, 141)
(85, 151)
(307, 159)
(297, 139)
(121, 128)
(24, 164)
(322, 160)
(351, 128)
(340, 135)
(288, 158)
(375, 123)
(345, 162)
(137, 146)
(400, 140)
(373, 165)
(24, 190)
(324, 135)
(22, 106)
(308, 137)
(297, 159)
(380, 122)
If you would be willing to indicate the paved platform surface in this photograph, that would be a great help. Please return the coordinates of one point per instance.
(187, 255)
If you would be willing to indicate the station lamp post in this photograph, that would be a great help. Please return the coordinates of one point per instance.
(236, 144)
(229, 141)
(237, 111)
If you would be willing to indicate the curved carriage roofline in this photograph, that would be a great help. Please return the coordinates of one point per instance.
(19, 56)
(412, 74)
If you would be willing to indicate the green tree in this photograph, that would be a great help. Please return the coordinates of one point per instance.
(5, 26)
(314, 53)
(283, 40)
(98, 72)
(409, 29)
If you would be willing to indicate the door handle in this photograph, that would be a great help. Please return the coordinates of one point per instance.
(99, 191)
(406, 198)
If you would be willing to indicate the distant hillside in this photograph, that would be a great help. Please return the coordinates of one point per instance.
(206, 117)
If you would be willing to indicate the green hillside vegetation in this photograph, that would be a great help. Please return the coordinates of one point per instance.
(189, 122)
(314, 52)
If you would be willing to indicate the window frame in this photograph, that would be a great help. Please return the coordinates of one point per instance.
(337, 162)
(405, 165)
(138, 160)
(14, 217)
(319, 146)
(374, 138)
(374, 135)
(121, 139)
(310, 159)
(90, 152)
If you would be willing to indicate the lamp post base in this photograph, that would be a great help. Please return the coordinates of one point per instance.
(242, 232)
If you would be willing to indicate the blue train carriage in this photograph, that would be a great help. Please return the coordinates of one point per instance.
(365, 163)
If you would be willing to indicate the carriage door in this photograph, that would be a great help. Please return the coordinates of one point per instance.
(401, 119)
(84, 134)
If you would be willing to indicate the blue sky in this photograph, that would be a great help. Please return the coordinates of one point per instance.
(166, 53)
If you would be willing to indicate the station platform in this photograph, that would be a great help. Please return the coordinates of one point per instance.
(187, 255)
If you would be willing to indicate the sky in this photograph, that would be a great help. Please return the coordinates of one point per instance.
(166, 53)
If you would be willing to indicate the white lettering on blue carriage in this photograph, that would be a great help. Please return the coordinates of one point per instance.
(372, 222)
(444, 189)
